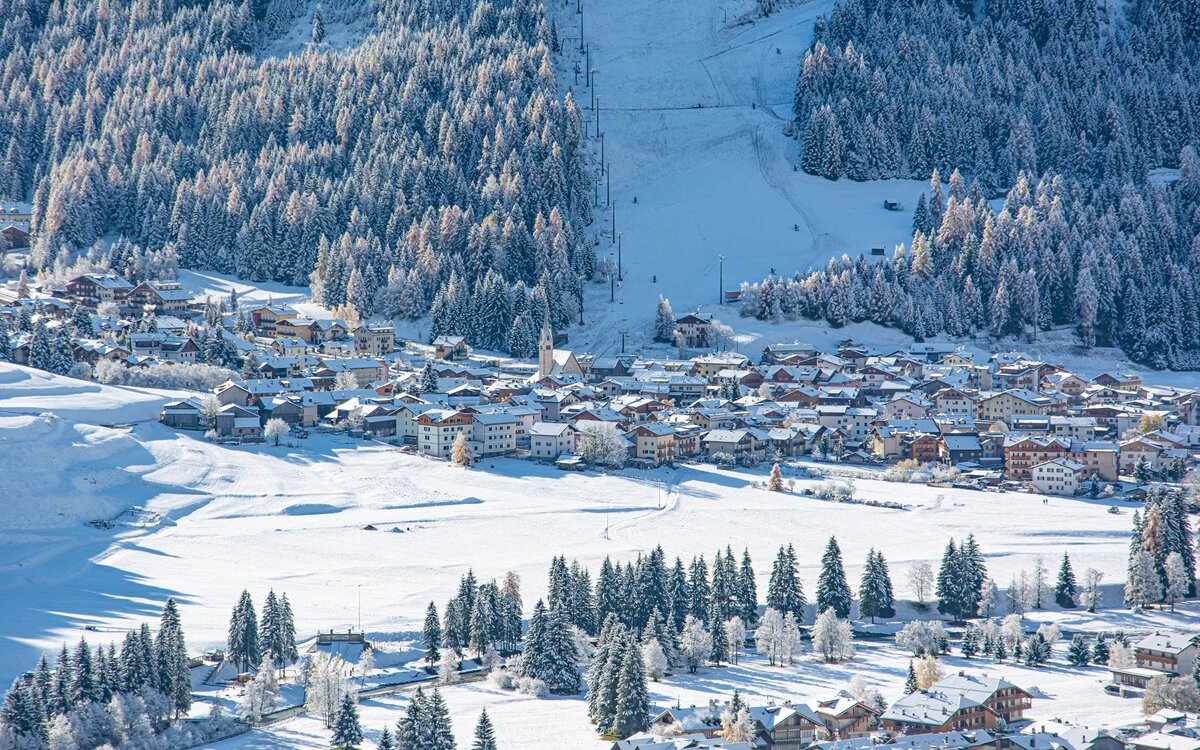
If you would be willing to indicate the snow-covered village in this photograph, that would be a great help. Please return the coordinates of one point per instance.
(599, 374)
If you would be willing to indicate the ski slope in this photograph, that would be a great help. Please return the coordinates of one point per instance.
(692, 106)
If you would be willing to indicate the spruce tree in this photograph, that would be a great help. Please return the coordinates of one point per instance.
(1078, 653)
(244, 647)
(485, 735)
(633, 703)
(432, 635)
(385, 740)
(910, 682)
(1065, 589)
(784, 593)
(716, 631)
(170, 651)
(832, 590)
(347, 732)
(747, 591)
(440, 734)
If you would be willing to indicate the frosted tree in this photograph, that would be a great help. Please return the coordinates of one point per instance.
(735, 636)
(461, 453)
(791, 637)
(920, 581)
(1145, 586)
(775, 481)
(448, 664)
(928, 670)
(633, 703)
(664, 321)
(831, 637)
(738, 726)
(1177, 580)
(275, 430)
(769, 636)
(318, 25)
(1092, 597)
(654, 660)
(326, 687)
(695, 643)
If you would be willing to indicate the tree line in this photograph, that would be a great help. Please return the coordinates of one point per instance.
(434, 159)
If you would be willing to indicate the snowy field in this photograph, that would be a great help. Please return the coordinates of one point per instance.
(215, 520)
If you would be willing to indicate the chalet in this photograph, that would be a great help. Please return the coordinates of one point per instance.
(1121, 381)
(1003, 406)
(1021, 454)
(957, 448)
(185, 414)
(776, 353)
(957, 703)
(157, 298)
(747, 446)
(92, 289)
(846, 717)
(1159, 655)
(237, 421)
(708, 366)
(13, 235)
(693, 331)
(1136, 450)
(451, 348)
(267, 317)
(1098, 458)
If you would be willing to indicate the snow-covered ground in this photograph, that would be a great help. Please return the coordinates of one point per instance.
(220, 519)
(524, 723)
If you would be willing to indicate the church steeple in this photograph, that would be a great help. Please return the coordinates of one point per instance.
(545, 349)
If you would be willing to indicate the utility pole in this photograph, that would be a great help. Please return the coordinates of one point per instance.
(602, 169)
(596, 109)
(612, 288)
(614, 222)
(608, 185)
(721, 282)
(581, 45)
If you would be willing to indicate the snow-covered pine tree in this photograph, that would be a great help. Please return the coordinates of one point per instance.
(173, 678)
(632, 712)
(833, 592)
(485, 734)
(784, 592)
(243, 647)
(747, 590)
(431, 634)
(1065, 588)
(347, 732)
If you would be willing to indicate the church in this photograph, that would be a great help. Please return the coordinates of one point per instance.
(556, 362)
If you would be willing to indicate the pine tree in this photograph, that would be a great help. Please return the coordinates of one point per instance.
(385, 740)
(439, 734)
(716, 632)
(1065, 589)
(318, 25)
(347, 732)
(833, 592)
(664, 321)
(429, 378)
(910, 682)
(784, 593)
(875, 598)
(1078, 653)
(243, 643)
(485, 736)
(633, 704)
(747, 590)
(432, 635)
(170, 652)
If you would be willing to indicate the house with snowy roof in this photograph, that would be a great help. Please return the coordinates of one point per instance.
(960, 702)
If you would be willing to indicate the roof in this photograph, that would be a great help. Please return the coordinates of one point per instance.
(1168, 642)
(935, 706)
